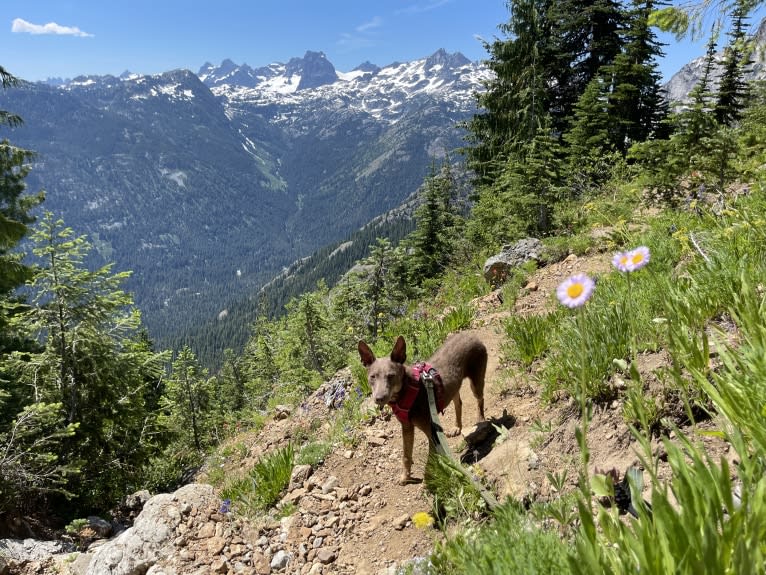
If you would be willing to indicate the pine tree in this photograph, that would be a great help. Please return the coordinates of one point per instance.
(588, 136)
(516, 99)
(637, 107)
(435, 220)
(92, 361)
(587, 36)
(732, 87)
(187, 402)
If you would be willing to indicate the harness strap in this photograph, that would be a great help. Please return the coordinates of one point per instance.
(402, 406)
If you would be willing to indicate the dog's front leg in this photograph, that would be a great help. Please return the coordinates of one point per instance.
(408, 441)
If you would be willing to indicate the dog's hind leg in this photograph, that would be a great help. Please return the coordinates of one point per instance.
(458, 403)
(477, 386)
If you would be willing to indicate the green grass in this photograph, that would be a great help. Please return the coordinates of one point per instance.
(262, 487)
(510, 543)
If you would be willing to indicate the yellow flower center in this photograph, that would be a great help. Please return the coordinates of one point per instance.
(638, 257)
(575, 290)
(624, 260)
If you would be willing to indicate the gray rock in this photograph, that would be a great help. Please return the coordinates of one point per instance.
(280, 560)
(151, 538)
(498, 267)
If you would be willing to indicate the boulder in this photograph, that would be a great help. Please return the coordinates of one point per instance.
(498, 267)
(151, 538)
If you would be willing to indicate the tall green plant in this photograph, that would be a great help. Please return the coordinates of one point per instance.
(92, 361)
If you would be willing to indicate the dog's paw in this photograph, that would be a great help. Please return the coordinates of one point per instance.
(454, 432)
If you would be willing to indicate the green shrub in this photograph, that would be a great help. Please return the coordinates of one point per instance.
(262, 487)
(509, 543)
(313, 453)
(454, 497)
(530, 336)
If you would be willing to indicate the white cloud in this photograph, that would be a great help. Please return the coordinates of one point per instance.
(376, 22)
(420, 8)
(362, 36)
(23, 27)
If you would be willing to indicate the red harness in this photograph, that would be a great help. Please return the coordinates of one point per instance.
(402, 406)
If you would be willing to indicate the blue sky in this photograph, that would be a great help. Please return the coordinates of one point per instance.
(67, 38)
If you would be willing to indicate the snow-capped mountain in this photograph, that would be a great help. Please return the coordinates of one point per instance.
(206, 185)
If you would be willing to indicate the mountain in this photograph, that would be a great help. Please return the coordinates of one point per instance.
(683, 81)
(207, 185)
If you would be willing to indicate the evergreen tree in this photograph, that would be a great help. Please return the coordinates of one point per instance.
(732, 87)
(522, 201)
(375, 292)
(187, 403)
(588, 136)
(516, 100)
(91, 361)
(587, 37)
(637, 107)
(436, 219)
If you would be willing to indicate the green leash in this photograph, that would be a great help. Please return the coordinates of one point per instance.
(442, 447)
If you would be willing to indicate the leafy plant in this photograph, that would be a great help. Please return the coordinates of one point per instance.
(509, 543)
(530, 336)
(454, 498)
(263, 485)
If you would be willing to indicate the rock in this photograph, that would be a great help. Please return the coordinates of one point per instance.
(498, 267)
(330, 484)
(280, 560)
(27, 550)
(100, 527)
(282, 411)
(376, 441)
(153, 534)
(326, 556)
(261, 564)
(401, 522)
(300, 474)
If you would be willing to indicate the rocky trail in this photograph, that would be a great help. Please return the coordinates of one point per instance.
(349, 514)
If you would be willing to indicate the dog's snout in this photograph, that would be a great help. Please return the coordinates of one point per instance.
(380, 398)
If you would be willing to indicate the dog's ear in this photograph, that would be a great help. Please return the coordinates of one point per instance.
(365, 354)
(399, 353)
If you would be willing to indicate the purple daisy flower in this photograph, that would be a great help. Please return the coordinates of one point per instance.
(575, 290)
(638, 258)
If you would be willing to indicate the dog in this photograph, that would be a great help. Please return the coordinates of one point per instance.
(461, 356)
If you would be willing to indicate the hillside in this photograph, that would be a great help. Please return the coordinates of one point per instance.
(349, 515)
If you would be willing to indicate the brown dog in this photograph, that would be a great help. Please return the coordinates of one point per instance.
(461, 356)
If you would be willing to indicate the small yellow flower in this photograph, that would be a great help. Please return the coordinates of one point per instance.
(422, 520)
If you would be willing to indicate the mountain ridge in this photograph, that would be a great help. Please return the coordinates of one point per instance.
(207, 186)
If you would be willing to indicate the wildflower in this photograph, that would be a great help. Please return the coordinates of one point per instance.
(621, 261)
(422, 520)
(575, 291)
(225, 506)
(638, 258)
(632, 260)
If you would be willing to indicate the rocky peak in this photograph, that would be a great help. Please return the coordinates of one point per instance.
(314, 69)
(442, 58)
